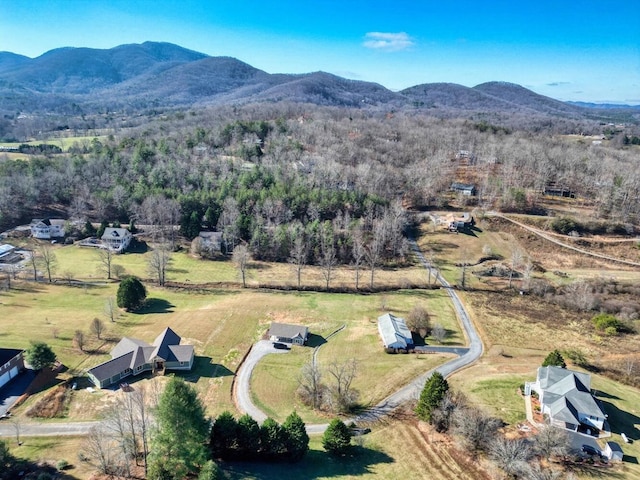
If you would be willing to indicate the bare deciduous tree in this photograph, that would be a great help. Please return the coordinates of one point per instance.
(310, 384)
(48, 259)
(474, 428)
(105, 256)
(298, 254)
(341, 396)
(328, 259)
(101, 449)
(97, 327)
(373, 252)
(110, 309)
(241, 258)
(159, 261)
(439, 333)
(551, 441)
(516, 259)
(358, 251)
(418, 320)
(78, 340)
(511, 455)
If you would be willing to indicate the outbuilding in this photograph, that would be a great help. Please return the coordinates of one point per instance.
(613, 452)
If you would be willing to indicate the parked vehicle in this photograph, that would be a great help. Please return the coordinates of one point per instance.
(589, 450)
(280, 346)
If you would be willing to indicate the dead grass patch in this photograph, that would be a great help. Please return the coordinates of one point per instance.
(52, 405)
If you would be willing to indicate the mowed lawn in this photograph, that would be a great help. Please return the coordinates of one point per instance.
(275, 379)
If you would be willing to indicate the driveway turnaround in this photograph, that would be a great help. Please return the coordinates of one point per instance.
(466, 356)
(12, 391)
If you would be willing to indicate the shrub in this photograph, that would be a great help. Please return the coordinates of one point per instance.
(62, 465)
(337, 437)
(131, 294)
(609, 324)
(554, 359)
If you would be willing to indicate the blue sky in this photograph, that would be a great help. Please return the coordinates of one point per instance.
(571, 50)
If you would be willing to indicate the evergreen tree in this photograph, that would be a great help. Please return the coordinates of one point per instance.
(131, 293)
(89, 229)
(39, 355)
(209, 471)
(337, 437)
(554, 359)
(273, 440)
(432, 394)
(178, 446)
(248, 438)
(296, 437)
(224, 436)
(101, 228)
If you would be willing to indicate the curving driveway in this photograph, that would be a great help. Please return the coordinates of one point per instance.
(242, 393)
(467, 355)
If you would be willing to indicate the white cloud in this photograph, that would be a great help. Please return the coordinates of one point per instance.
(390, 42)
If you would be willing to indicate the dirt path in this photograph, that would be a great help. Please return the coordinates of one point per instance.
(552, 238)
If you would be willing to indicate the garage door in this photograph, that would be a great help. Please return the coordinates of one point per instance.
(13, 373)
(4, 378)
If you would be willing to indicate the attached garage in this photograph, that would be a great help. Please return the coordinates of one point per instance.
(4, 379)
(11, 363)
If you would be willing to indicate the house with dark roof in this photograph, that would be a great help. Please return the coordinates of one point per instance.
(11, 364)
(287, 333)
(565, 397)
(133, 357)
(394, 332)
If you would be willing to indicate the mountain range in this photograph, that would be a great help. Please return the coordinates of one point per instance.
(153, 74)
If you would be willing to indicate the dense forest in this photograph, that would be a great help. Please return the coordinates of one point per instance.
(265, 173)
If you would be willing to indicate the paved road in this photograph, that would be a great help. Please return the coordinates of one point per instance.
(8, 428)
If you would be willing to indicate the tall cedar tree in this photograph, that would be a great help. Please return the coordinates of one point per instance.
(248, 437)
(224, 436)
(554, 359)
(297, 438)
(131, 293)
(178, 446)
(337, 437)
(39, 355)
(432, 394)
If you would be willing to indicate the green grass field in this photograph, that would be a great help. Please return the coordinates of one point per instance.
(63, 142)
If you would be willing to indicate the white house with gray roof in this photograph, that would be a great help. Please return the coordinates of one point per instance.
(565, 396)
(116, 239)
(394, 332)
(133, 357)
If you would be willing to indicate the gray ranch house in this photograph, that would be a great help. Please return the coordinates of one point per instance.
(287, 333)
(133, 357)
(11, 364)
(394, 332)
(565, 397)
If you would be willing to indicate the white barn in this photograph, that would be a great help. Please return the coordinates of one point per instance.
(394, 332)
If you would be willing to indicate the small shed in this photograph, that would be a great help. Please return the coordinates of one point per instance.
(613, 452)
(287, 333)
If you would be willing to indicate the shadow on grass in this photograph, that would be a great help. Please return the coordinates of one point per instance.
(155, 305)
(315, 464)
(621, 421)
(601, 394)
(204, 367)
(314, 340)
